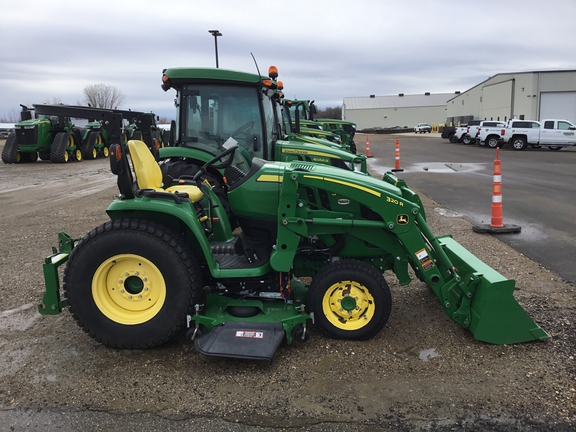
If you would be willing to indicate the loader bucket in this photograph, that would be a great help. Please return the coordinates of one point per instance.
(494, 314)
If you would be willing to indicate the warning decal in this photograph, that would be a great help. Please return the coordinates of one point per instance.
(424, 259)
(249, 334)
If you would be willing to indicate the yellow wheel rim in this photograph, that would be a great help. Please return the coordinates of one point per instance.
(105, 151)
(348, 305)
(128, 289)
(78, 155)
(99, 139)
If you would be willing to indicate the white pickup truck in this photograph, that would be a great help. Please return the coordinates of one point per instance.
(490, 133)
(461, 133)
(551, 133)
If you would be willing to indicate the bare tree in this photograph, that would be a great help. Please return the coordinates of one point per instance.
(55, 101)
(330, 112)
(103, 96)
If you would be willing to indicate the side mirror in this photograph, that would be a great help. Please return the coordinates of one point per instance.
(172, 138)
(116, 159)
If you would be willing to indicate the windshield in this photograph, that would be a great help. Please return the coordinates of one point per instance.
(300, 108)
(213, 117)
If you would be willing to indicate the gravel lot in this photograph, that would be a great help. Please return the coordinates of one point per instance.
(422, 372)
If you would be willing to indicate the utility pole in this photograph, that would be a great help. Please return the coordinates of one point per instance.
(215, 33)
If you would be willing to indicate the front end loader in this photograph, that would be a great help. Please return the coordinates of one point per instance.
(311, 245)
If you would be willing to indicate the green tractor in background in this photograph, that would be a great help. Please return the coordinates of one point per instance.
(51, 135)
(279, 246)
(48, 137)
(345, 129)
(339, 131)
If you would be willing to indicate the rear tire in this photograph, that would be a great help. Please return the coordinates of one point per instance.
(467, 141)
(519, 143)
(31, 157)
(10, 153)
(452, 138)
(59, 150)
(555, 148)
(131, 282)
(350, 300)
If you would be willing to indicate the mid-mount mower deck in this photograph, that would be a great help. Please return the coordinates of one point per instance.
(247, 252)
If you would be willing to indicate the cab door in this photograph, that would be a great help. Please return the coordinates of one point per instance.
(566, 133)
(533, 132)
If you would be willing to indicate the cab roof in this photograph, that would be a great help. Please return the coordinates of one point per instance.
(182, 74)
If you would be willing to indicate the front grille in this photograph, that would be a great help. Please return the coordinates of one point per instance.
(27, 136)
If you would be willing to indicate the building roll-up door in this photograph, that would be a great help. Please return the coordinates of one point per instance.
(558, 105)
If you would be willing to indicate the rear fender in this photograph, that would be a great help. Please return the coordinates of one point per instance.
(181, 217)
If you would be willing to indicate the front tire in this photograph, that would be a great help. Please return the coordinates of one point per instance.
(492, 141)
(353, 148)
(131, 282)
(88, 150)
(10, 154)
(350, 300)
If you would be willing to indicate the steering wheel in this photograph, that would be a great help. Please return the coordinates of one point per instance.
(225, 164)
(244, 129)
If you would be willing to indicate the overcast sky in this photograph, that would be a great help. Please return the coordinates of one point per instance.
(324, 49)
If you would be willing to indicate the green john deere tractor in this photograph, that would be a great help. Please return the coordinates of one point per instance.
(311, 244)
(302, 113)
(50, 137)
(345, 129)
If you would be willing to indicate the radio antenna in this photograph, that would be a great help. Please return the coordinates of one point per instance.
(256, 63)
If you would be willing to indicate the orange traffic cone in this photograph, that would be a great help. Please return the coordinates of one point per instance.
(368, 148)
(496, 222)
(397, 157)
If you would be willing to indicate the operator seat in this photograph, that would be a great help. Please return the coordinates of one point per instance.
(149, 175)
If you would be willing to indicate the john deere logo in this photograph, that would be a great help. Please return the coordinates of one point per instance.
(343, 201)
(402, 219)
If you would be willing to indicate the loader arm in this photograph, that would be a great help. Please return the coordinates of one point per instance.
(471, 293)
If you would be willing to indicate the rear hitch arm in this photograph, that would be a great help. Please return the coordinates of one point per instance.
(52, 304)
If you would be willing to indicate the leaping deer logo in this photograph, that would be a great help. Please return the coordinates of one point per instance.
(402, 219)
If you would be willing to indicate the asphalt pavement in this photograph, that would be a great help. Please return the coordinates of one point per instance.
(538, 189)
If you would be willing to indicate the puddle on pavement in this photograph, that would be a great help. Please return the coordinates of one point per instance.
(20, 318)
(448, 213)
(433, 167)
(426, 355)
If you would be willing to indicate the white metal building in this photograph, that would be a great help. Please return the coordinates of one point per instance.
(533, 95)
(398, 110)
